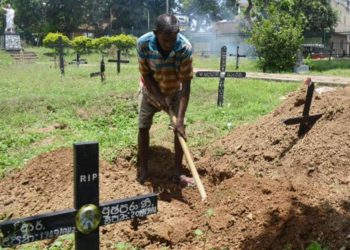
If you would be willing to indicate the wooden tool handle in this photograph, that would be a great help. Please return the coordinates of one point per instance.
(190, 162)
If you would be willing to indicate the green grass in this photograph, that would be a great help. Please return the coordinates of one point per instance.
(42, 111)
(5, 58)
(339, 67)
(213, 62)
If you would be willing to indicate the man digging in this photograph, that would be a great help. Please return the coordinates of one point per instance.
(165, 65)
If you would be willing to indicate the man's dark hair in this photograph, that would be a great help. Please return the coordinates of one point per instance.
(167, 23)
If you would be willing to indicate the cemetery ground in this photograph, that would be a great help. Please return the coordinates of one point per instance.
(267, 188)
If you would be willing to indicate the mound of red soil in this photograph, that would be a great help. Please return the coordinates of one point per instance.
(268, 188)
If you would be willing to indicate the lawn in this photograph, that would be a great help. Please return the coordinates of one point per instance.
(42, 110)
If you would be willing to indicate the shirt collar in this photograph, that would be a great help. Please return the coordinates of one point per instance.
(153, 44)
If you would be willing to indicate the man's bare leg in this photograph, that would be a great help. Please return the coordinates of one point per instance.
(179, 176)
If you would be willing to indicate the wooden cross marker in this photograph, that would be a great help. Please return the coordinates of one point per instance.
(86, 217)
(237, 57)
(306, 121)
(118, 61)
(78, 60)
(101, 72)
(60, 47)
(222, 74)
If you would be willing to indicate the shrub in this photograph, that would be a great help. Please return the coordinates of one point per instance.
(102, 44)
(124, 42)
(51, 40)
(277, 40)
(82, 44)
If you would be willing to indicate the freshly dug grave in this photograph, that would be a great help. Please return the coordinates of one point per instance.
(268, 188)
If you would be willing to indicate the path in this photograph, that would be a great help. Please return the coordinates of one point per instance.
(321, 80)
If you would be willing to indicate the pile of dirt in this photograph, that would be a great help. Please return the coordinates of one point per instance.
(268, 188)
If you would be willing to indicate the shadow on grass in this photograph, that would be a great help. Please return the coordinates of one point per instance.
(302, 225)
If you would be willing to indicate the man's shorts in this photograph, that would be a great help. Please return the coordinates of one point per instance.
(147, 110)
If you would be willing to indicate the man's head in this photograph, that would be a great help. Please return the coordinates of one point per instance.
(166, 30)
(8, 6)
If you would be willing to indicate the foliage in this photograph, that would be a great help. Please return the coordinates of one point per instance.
(287, 246)
(82, 44)
(203, 235)
(29, 18)
(64, 15)
(102, 44)
(203, 13)
(133, 17)
(51, 40)
(316, 15)
(64, 242)
(123, 42)
(309, 62)
(277, 40)
(202, 8)
(124, 246)
(314, 245)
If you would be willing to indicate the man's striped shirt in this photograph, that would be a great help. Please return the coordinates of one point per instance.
(170, 72)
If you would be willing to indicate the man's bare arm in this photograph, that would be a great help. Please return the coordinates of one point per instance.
(183, 103)
(154, 90)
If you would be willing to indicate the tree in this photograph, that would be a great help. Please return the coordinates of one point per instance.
(43, 16)
(201, 8)
(97, 15)
(134, 16)
(317, 15)
(65, 15)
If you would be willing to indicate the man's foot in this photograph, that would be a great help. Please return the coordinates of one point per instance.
(185, 181)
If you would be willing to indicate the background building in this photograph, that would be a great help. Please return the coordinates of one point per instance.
(341, 37)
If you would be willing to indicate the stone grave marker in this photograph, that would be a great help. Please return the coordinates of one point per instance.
(118, 61)
(305, 121)
(300, 67)
(222, 74)
(88, 214)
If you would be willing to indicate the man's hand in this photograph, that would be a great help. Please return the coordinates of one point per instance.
(179, 127)
(178, 124)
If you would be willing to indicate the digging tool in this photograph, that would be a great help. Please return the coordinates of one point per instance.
(190, 162)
